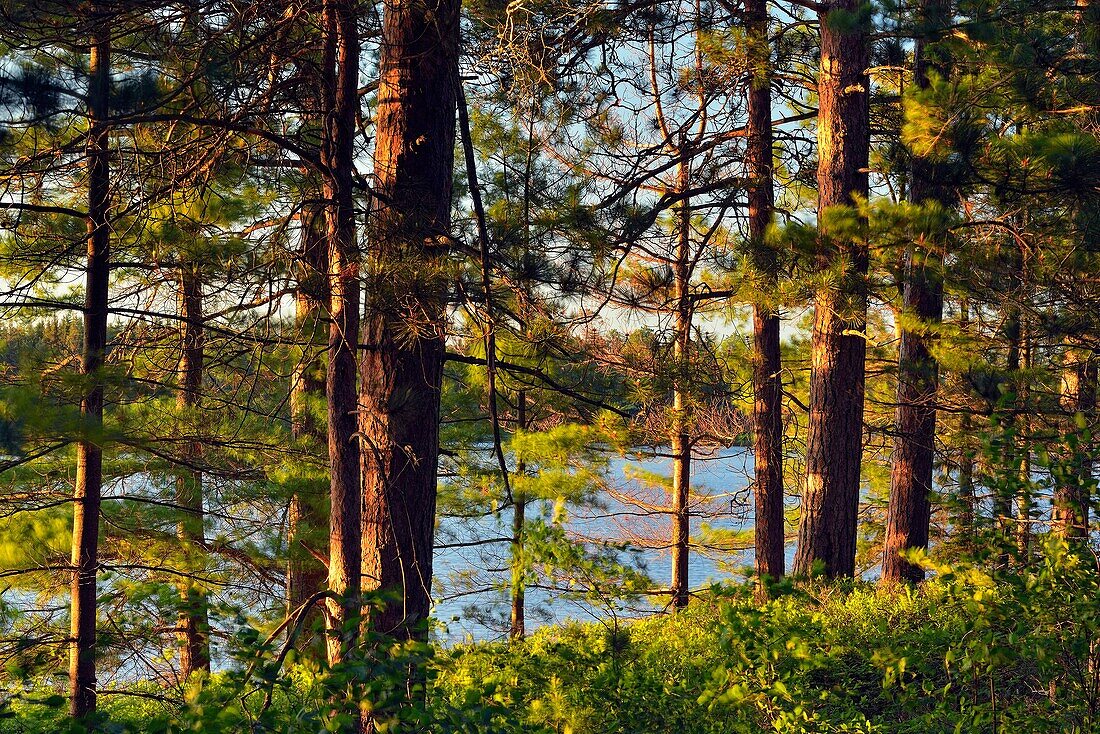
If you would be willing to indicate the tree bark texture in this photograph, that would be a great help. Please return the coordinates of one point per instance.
(1072, 497)
(680, 438)
(341, 57)
(767, 375)
(830, 502)
(194, 622)
(307, 518)
(909, 509)
(402, 364)
(89, 450)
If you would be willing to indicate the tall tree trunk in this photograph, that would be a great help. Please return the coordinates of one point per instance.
(307, 517)
(519, 509)
(402, 365)
(341, 67)
(680, 438)
(194, 622)
(519, 611)
(1072, 496)
(767, 376)
(909, 511)
(830, 504)
(89, 452)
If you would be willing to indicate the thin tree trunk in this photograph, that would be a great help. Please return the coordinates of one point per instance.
(680, 439)
(909, 511)
(1023, 495)
(966, 522)
(681, 519)
(967, 501)
(341, 56)
(194, 622)
(89, 452)
(830, 504)
(307, 517)
(519, 610)
(402, 366)
(1002, 499)
(519, 508)
(767, 376)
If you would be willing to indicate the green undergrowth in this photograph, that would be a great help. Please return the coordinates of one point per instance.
(968, 652)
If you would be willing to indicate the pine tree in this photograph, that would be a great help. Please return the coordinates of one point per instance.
(89, 456)
(767, 377)
(918, 372)
(405, 326)
(341, 104)
(834, 449)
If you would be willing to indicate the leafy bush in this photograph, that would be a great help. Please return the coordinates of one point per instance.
(971, 650)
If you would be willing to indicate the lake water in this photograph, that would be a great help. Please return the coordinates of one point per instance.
(472, 580)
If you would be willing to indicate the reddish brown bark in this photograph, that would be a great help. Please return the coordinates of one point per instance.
(830, 503)
(194, 624)
(909, 510)
(1072, 497)
(307, 518)
(767, 377)
(402, 365)
(341, 67)
(89, 451)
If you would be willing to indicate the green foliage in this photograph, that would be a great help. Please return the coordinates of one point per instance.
(821, 660)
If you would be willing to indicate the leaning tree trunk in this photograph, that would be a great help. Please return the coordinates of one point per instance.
(89, 451)
(341, 67)
(402, 365)
(194, 622)
(909, 511)
(767, 376)
(830, 502)
(307, 516)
